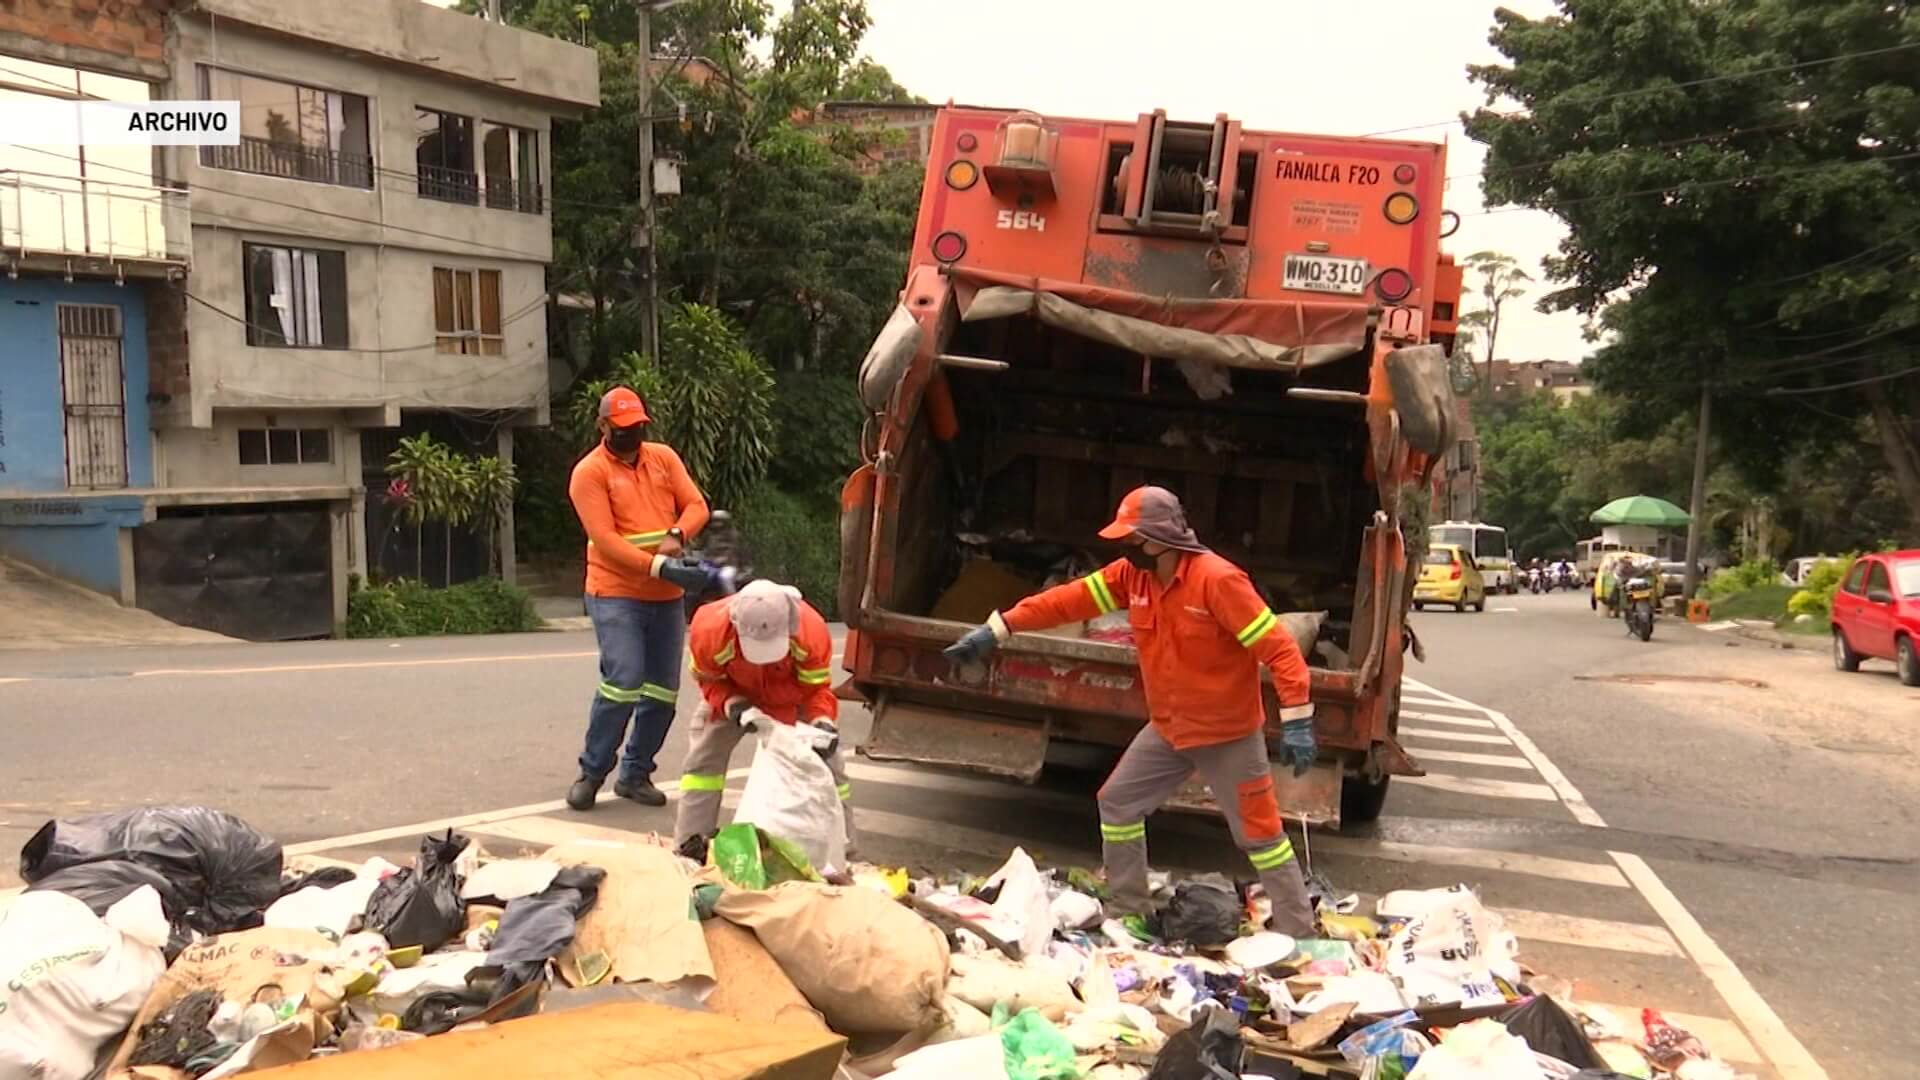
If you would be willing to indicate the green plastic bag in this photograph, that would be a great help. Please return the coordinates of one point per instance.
(1034, 1049)
(751, 859)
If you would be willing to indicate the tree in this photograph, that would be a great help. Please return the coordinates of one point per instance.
(1739, 182)
(1501, 280)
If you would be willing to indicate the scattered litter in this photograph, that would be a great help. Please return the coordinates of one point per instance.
(1201, 913)
(1260, 950)
(421, 905)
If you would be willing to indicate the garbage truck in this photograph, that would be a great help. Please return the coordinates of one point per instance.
(1258, 321)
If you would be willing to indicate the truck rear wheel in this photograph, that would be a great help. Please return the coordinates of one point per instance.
(1361, 801)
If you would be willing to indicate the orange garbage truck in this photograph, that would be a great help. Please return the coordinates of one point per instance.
(1259, 321)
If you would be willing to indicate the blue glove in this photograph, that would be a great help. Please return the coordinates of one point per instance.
(974, 647)
(1298, 747)
(693, 575)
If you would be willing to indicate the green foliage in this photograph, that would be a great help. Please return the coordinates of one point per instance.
(436, 483)
(795, 541)
(817, 422)
(1761, 602)
(1745, 577)
(1816, 593)
(411, 609)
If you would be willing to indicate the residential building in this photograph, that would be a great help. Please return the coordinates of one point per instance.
(1456, 483)
(903, 131)
(368, 262)
(1561, 378)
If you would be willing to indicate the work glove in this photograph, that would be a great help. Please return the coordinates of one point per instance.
(693, 575)
(749, 716)
(826, 738)
(1298, 747)
(977, 642)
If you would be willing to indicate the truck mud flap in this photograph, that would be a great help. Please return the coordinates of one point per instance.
(1315, 796)
(956, 739)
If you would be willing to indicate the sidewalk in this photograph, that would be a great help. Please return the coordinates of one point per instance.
(40, 612)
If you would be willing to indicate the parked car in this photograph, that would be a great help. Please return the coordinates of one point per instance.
(1673, 575)
(1797, 569)
(1450, 576)
(1876, 613)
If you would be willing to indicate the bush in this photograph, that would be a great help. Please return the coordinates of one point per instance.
(1738, 579)
(410, 609)
(794, 540)
(1816, 596)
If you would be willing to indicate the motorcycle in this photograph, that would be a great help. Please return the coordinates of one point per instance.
(1567, 579)
(1641, 605)
(1535, 580)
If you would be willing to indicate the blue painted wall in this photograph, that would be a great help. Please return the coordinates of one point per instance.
(33, 448)
(77, 540)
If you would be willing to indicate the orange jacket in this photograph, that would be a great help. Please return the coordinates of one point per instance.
(626, 511)
(799, 687)
(1202, 640)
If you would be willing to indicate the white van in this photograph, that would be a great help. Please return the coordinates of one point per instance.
(1488, 546)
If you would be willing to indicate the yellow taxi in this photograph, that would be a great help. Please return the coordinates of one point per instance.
(1448, 575)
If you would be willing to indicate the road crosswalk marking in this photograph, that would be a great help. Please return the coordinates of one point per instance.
(1508, 862)
(1490, 789)
(1428, 703)
(1465, 757)
(1590, 933)
(1455, 736)
(1444, 718)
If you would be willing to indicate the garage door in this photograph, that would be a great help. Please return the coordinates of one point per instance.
(258, 572)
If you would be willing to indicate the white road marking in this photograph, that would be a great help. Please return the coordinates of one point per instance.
(1590, 933)
(1769, 1034)
(1504, 610)
(1432, 703)
(1723, 1037)
(544, 832)
(353, 665)
(1453, 736)
(1474, 785)
(1511, 862)
(1464, 757)
(1444, 718)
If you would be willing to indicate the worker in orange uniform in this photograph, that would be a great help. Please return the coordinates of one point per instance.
(638, 507)
(762, 656)
(1203, 635)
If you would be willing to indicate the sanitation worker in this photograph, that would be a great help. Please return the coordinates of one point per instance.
(1203, 635)
(762, 656)
(638, 507)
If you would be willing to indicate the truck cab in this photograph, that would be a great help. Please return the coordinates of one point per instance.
(1258, 321)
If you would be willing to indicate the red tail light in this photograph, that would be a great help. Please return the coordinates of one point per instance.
(1393, 285)
(1455, 576)
(949, 246)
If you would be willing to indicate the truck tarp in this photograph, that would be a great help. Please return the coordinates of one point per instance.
(1270, 334)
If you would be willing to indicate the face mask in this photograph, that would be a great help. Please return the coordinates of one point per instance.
(625, 440)
(1138, 556)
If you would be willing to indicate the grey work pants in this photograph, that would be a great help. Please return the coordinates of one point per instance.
(711, 740)
(1241, 781)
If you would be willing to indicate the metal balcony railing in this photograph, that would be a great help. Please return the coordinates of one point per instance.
(525, 196)
(291, 160)
(47, 214)
(449, 185)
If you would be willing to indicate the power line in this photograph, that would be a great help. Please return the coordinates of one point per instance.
(1669, 189)
(1889, 377)
(1574, 98)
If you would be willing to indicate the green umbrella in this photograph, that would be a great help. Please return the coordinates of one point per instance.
(1640, 510)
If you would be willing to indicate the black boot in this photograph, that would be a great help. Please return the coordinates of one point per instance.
(583, 792)
(640, 791)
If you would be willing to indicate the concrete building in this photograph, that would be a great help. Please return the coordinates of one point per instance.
(1561, 378)
(368, 262)
(904, 130)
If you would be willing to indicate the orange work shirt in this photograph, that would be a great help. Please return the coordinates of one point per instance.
(1202, 639)
(797, 687)
(626, 511)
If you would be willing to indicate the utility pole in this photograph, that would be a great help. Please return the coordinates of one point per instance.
(1697, 508)
(493, 10)
(644, 236)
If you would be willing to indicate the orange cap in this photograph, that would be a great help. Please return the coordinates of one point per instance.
(1154, 513)
(621, 407)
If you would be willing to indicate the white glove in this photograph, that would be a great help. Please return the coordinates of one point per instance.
(755, 719)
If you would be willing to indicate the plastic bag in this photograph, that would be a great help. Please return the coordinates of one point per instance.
(1452, 952)
(1023, 901)
(1212, 1047)
(1201, 913)
(100, 885)
(421, 905)
(1549, 1030)
(752, 859)
(535, 928)
(329, 908)
(991, 979)
(1478, 1050)
(1033, 1048)
(223, 872)
(790, 794)
(71, 980)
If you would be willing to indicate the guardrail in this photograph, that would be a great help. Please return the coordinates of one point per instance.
(43, 213)
(292, 160)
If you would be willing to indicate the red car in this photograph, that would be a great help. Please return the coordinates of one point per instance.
(1876, 613)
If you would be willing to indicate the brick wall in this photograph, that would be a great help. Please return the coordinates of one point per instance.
(123, 36)
(169, 379)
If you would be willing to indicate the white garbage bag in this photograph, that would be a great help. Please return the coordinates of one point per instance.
(1023, 901)
(1451, 954)
(1478, 1050)
(790, 793)
(329, 909)
(71, 980)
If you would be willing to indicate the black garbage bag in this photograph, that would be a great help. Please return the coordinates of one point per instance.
(223, 872)
(1549, 1030)
(1201, 913)
(100, 885)
(324, 878)
(1210, 1049)
(535, 928)
(421, 905)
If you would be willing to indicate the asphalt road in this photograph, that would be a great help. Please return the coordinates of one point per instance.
(1792, 846)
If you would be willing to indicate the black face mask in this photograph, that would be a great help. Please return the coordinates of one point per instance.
(1138, 556)
(625, 440)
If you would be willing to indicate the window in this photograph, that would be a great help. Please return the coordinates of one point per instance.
(511, 157)
(1438, 557)
(1908, 574)
(1857, 579)
(296, 297)
(466, 311)
(291, 130)
(285, 446)
(1877, 580)
(443, 156)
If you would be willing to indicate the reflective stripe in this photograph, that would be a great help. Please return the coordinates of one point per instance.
(641, 539)
(1272, 858)
(796, 650)
(1258, 628)
(1102, 596)
(1121, 834)
(659, 693)
(618, 694)
(814, 676)
(693, 661)
(846, 792)
(725, 655)
(703, 782)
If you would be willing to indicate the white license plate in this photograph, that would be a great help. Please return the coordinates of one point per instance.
(1325, 273)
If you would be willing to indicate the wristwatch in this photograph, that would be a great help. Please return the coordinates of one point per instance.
(677, 534)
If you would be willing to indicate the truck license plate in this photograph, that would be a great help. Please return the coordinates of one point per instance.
(1325, 273)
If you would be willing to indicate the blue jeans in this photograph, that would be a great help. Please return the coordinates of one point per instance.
(641, 642)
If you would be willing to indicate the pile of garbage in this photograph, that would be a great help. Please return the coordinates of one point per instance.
(171, 942)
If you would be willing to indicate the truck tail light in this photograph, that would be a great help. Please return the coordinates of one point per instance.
(1393, 285)
(962, 174)
(1403, 173)
(949, 246)
(1401, 208)
(1455, 576)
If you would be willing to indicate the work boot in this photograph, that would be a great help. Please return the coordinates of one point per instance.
(584, 790)
(640, 791)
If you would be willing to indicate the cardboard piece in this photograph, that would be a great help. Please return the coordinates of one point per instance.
(636, 1041)
(749, 983)
(1308, 1034)
(643, 922)
(267, 964)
